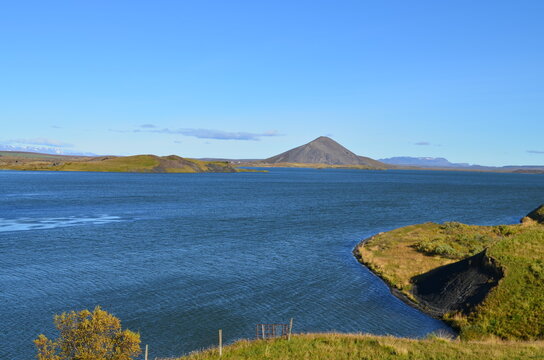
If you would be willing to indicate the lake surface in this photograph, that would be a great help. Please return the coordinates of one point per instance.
(179, 256)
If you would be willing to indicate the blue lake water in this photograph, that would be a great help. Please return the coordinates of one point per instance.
(179, 256)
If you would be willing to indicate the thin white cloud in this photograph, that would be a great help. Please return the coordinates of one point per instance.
(220, 134)
(203, 133)
(215, 134)
(40, 142)
(43, 150)
(535, 151)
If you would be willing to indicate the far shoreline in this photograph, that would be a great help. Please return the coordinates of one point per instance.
(516, 170)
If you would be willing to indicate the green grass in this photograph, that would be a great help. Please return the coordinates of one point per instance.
(514, 309)
(454, 240)
(399, 255)
(138, 163)
(361, 347)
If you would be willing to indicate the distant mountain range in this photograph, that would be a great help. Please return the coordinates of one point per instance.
(442, 163)
(425, 162)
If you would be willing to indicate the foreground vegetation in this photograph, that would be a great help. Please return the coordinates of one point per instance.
(137, 163)
(87, 335)
(514, 309)
(352, 346)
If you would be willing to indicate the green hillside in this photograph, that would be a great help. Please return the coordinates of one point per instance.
(137, 163)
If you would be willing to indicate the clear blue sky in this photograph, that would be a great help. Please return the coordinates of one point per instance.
(248, 79)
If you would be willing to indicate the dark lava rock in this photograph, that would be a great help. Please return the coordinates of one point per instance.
(537, 214)
(457, 287)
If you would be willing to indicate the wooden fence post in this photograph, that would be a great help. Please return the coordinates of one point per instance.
(220, 342)
(290, 329)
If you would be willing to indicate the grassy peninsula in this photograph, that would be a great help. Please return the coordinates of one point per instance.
(486, 281)
(137, 163)
(358, 346)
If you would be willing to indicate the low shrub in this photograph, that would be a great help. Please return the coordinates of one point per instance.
(437, 247)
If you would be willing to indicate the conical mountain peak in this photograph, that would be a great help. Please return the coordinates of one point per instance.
(322, 150)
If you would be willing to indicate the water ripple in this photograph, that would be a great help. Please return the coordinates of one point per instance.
(223, 251)
(23, 224)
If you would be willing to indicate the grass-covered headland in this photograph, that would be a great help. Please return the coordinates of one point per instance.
(486, 281)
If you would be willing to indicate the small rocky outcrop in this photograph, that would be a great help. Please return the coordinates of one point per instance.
(537, 214)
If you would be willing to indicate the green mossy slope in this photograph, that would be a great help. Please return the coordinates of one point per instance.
(515, 308)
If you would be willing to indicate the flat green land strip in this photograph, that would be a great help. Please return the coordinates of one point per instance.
(351, 346)
(514, 309)
(314, 166)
